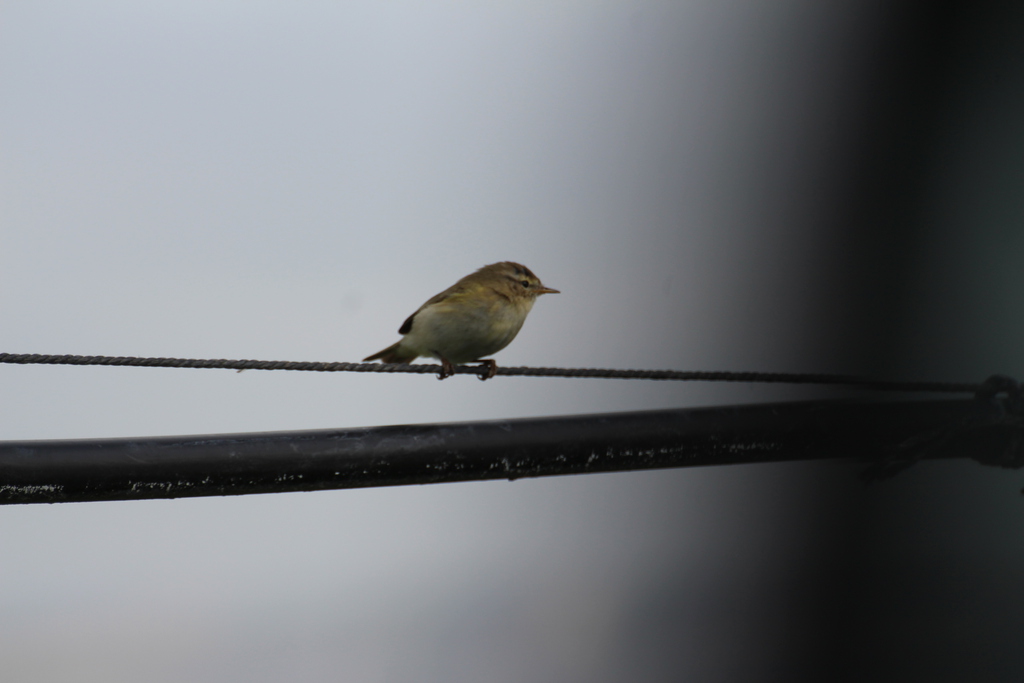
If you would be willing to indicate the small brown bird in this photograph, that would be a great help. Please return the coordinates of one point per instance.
(477, 316)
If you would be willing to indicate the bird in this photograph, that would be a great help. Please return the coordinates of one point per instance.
(476, 317)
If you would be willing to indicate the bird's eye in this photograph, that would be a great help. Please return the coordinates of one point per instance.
(524, 283)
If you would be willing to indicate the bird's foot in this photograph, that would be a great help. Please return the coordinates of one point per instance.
(488, 368)
(447, 369)
(491, 369)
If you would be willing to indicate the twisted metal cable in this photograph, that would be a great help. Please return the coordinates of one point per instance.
(671, 375)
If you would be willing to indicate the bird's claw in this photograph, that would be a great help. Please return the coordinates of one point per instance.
(447, 369)
(488, 369)
(492, 369)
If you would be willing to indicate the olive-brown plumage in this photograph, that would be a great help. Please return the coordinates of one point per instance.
(477, 316)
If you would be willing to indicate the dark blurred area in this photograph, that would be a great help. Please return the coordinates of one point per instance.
(924, 282)
(940, 130)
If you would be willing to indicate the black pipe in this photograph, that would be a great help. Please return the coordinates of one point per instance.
(172, 467)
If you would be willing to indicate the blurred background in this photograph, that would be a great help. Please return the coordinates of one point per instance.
(788, 186)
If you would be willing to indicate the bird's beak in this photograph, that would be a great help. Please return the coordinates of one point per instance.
(546, 290)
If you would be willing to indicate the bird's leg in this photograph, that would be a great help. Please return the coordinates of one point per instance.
(447, 369)
(492, 369)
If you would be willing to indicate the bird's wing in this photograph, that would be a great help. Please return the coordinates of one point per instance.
(452, 292)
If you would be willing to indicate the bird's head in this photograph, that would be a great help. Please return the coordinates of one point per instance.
(515, 279)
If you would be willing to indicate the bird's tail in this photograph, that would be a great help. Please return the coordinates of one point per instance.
(392, 354)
